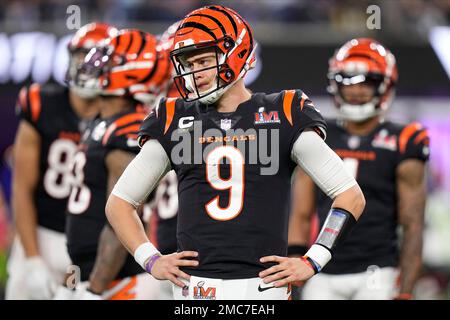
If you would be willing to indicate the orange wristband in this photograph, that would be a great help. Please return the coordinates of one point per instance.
(309, 263)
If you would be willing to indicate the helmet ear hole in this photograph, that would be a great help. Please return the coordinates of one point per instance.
(226, 74)
(228, 43)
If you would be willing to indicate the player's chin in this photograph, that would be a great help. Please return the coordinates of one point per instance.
(194, 95)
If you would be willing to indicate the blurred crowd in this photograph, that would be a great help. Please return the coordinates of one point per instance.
(400, 16)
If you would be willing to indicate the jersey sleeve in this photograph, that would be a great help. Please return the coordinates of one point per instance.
(301, 114)
(122, 133)
(29, 105)
(413, 142)
(159, 124)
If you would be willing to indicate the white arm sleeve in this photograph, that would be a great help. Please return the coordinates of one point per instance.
(322, 164)
(142, 174)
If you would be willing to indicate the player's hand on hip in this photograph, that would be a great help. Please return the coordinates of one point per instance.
(286, 270)
(166, 267)
(39, 282)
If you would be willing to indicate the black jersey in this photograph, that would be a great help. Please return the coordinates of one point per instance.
(86, 205)
(48, 110)
(234, 176)
(373, 159)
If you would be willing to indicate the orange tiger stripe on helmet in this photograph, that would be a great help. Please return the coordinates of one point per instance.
(137, 67)
(91, 34)
(224, 30)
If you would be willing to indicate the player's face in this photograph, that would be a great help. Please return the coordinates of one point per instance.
(357, 93)
(204, 79)
(76, 60)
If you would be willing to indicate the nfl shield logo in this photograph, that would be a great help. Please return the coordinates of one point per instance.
(225, 124)
(185, 291)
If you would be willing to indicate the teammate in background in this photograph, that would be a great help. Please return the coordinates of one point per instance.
(125, 68)
(162, 224)
(388, 161)
(232, 226)
(44, 147)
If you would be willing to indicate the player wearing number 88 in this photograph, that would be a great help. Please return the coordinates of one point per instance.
(46, 140)
(233, 214)
(388, 161)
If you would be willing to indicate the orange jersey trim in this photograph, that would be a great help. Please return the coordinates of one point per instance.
(129, 129)
(170, 111)
(127, 292)
(35, 101)
(406, 134)
(421, 137)
(287, 104)
(122, 122)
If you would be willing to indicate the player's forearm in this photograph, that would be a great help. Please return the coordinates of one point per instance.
(299, 229)
(411, 190)
(25, 217)
(126, 223)
(411, 211)
(111, 256)
(351, 200)
(303, 208)
(410, 258)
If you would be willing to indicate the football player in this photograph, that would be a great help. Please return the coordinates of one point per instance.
(162, 224)
(44, 148)
(125, 68)
(388, 161)
(234, 153)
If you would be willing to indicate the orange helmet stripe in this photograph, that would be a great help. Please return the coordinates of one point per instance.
(199, 26)
(218, 23)
(230, 18)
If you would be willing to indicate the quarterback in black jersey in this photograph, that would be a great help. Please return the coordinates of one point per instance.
(122, 69)
(388, 161)
(46, 140)
(233, 153)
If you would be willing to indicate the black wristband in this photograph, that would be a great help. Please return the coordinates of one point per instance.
(336, 228)
(296, 249)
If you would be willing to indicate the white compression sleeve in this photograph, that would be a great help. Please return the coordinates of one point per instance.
(142, 174)
(322, 164)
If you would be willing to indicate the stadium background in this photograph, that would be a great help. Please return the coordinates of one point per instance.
(296, 38)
